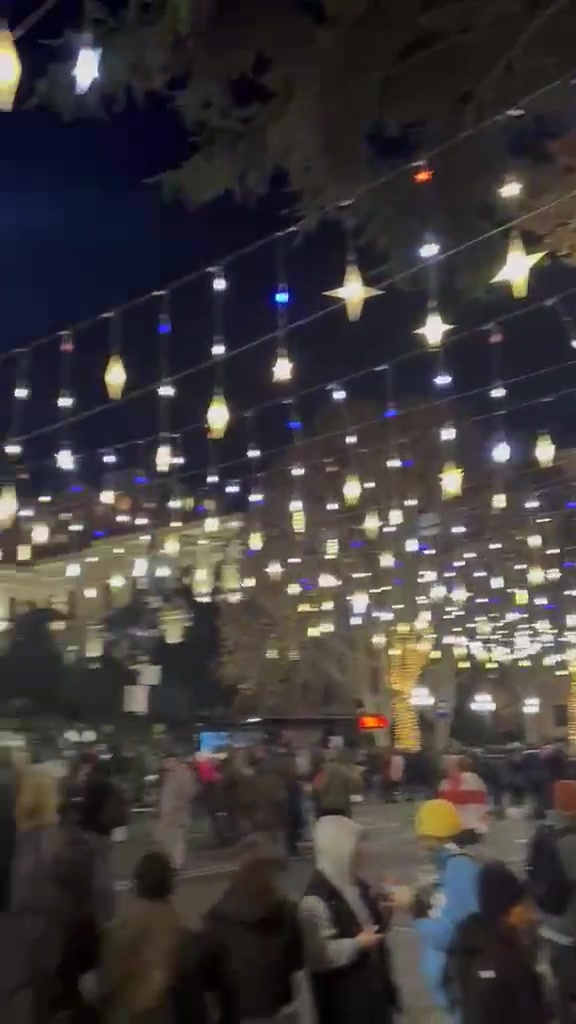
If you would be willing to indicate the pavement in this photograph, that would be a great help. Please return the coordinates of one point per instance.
(393, 857)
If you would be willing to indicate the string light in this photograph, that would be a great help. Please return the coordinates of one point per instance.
(65, 459)
(451, 480)
(545, 451)
(107, 497)
(282, 369)
(8, 505)
(511, 188)
(217, 416)
(516, 270)
(255, 540)
(352, 489)
(10, 68)
(429, 250)
(433, 328)
(501, 452)
(115, 377)
(40, 533)
(163, 458)
(372, 524)
(87, 67)
(353, 292)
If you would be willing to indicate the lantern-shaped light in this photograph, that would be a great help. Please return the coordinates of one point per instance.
(217, 416)
(10, 68)
(499, 501)
(372, 524)
(282, 369)
(275, 569)
(255, 540)
(535, 575)
(359, 601)
(115, 377)
(298, 516)
(8, 506)
(163, 457)
(352, 489)
(395, 517)
(451, 479)
(40, 533)
(545, 451)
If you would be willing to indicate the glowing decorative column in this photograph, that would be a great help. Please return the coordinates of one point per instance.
(407, 656)
(572, 709)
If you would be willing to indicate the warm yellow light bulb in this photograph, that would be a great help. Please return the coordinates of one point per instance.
(353, 292)
(352, 489)
(217, 416)
(433, 329)
(115, 377)
(10, 68)
(282, 369)
(516, 270)
(545, 451)
(8, 506)
(451, 479)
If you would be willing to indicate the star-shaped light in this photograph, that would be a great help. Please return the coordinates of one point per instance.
(353, 292)
(519, 263)
(433, 328)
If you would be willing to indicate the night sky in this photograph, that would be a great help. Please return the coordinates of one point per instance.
(82, 232)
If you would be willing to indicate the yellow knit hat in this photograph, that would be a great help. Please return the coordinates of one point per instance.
(438, 819)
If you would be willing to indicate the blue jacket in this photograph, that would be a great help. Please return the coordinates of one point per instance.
(455, 899)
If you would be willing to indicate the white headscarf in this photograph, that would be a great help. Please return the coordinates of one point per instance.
(335, 840)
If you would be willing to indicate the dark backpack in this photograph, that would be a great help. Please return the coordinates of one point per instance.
(549, 885)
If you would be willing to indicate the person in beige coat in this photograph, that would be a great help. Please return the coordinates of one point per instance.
(141, 949)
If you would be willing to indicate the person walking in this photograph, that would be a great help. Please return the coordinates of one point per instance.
(344, 925)
(552, 881)
(31, 926)
(455, 895)
(464, 788)
(174, 810)
(252, 941)
(491, 976)
(141, 949)
(335, 785)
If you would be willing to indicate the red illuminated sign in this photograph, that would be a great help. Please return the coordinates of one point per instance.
(373, 722)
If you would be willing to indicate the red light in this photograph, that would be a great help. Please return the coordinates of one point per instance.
(423, 175)
(373, 722)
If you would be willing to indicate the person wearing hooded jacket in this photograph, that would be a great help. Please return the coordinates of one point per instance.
(455, 897)
(344, 924)
(252, 944)
(491, 977)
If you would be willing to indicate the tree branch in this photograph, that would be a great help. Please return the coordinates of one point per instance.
(33, 18)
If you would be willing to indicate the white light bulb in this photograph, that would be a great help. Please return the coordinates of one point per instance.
(219, 282)
(448, 432)
(166, 390)
(442, 379)
(429, 250)
(282, 369)
(87, 68)
(511, 189)
(501, 452)
(65, 460)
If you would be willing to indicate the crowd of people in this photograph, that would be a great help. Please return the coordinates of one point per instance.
(74, 952)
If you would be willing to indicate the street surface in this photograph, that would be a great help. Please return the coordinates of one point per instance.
(393, 857)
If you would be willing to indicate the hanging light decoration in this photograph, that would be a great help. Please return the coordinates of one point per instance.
(163, 459)
(352, 489)
(451, 480)
(499, 501)
(516, 270)
(298, 516)
(372, 524)
(395, 517)
(353, 292)
(40, 533)
(438, 592)
(282, 369)
(217, 416)
(501, 451)
(255, 540)
(65, 458)
(87, 67)
(10, 68)
(433, 329)
(8, 505)
(275, 569)
(171, 546)
(535, 576)
(115, 377)
(545, 451)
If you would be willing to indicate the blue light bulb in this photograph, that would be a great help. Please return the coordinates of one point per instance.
(282, 296)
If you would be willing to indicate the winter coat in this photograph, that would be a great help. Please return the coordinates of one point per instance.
(349, 984)
(490, 976)
(562, 929)
(176, 796)
(455, 898)
(334, 786)
(252, 950)
(31, 931)
(139, 960)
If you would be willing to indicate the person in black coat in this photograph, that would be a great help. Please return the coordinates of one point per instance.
(252, 946)
(490, 973)
(344, 924)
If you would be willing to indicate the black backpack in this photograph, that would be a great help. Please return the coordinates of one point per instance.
(549, 885)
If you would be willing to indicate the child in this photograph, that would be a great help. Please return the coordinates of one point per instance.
(142, 949)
